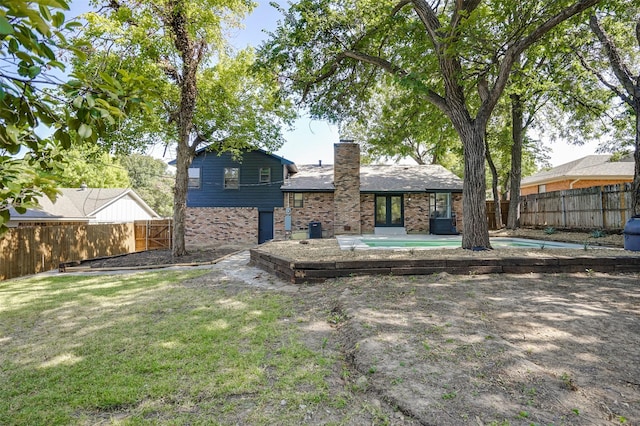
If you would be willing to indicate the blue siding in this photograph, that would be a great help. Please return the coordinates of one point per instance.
(251, 192)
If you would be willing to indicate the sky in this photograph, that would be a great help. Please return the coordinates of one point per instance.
(310, 140)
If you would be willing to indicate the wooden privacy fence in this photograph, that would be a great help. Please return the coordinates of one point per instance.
(598, 207)
(33, 249)
(491, 213)
(153, 234)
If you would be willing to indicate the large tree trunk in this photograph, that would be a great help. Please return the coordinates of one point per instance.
(475, 230)
(191, 54)
(183, 161)
(494, 186)
(517, 130)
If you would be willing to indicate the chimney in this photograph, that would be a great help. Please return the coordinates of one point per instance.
(346, 180)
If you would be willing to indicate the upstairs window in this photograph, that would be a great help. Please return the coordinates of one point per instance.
(231, 178)
(542, 189)
(194, 178)
(265, 175)
(298, 200)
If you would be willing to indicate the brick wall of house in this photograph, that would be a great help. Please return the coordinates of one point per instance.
(346, 180)
(208, 226)
(278, 223)
(416, 213)
(316, 207)
(456, 207)
(367, 212)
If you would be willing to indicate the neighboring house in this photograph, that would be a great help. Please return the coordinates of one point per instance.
(86, 205)
(592, 170)
(230, 201)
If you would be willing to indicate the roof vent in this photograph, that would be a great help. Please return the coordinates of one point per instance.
(83, 186)
(319, 163)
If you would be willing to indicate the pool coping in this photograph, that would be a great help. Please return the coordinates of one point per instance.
(357, 242)
(310, 271)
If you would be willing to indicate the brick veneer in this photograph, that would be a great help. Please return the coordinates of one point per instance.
(416, 213)
(316, 207)
(367, 213)
(456, 207)
(346, 180)
(207, 226)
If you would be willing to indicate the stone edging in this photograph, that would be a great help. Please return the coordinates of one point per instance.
(298, 272)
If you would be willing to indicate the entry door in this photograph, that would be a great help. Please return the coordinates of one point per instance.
(265, 227)
(389, 210)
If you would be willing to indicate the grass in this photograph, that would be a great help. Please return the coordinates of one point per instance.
(143, 348)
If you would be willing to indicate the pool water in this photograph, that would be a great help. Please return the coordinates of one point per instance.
(435, 242)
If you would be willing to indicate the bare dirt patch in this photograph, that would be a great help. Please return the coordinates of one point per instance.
(162, 257)
(558, 349)
(496, 349)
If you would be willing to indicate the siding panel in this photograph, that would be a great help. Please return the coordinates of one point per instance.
(251, 192)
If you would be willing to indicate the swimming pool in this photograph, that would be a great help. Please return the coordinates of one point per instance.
(426, 242)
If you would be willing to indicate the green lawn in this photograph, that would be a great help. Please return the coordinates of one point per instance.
(146, 348)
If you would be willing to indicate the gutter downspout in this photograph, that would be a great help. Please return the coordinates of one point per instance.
(571, 184)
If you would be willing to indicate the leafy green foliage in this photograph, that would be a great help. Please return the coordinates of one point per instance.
(32, 95)
(201, 94)
(151, 181)
(88, 164)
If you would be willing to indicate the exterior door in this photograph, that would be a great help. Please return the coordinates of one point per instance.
(265, 227)
(389, 210)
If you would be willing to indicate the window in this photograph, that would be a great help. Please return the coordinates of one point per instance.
(265, 175)
(298, 200)
(231, 178)
(440, 205)
(542, 189)
(194, 177)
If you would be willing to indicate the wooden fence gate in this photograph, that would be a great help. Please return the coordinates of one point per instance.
(153, 234)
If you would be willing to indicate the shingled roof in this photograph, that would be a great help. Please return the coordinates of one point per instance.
(589, 167)
(77, 204)
(378, 178)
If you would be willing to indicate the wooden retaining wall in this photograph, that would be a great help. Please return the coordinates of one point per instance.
(298, 272)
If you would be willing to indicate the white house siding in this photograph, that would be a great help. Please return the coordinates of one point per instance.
(126, 209)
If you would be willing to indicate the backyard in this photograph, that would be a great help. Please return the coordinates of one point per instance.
(231, 344)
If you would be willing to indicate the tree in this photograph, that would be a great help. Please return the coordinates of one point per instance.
(456, 55)
(396, 124)
(203, 95)
(151, 180)
(32, 37)
(627, 87)
(89, 165)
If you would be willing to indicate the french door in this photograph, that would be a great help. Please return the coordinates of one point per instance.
(389, 210)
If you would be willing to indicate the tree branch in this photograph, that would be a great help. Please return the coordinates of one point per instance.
(387, 66)
(603, 80)
(504, 69)
(619, 68)
(430, 21)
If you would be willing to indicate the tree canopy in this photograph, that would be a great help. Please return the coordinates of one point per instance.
(33, 93)
(457, 56)
(201, 93)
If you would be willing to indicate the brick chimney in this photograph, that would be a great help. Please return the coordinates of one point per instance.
(346, 180)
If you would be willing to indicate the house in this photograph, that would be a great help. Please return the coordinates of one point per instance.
(265, 196)
(592, 170)
(233, 200)
(85, 205)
